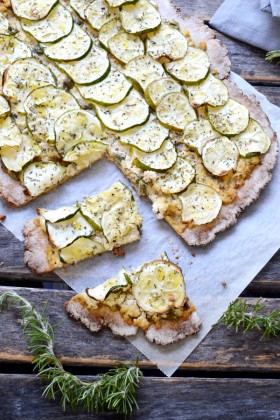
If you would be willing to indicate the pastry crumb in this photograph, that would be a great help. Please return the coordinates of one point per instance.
(118, 252)
(2, 217)
(224, 283)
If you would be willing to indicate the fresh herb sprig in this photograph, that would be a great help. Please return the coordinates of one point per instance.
(239, 315)
(271, 55)
(114, 390)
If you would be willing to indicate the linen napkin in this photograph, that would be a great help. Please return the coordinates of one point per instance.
(271, 6)
(244, 20)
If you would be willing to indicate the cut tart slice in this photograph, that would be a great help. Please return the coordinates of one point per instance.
(151, 297)
(70, 234)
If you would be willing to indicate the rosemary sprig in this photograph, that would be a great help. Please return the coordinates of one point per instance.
(114, 390)
(238, 315)
(271, 55)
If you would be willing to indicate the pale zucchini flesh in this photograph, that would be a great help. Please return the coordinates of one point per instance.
(111, 90)
(166, 42)
(160, 160)
(55, 26)
(211, 91)
(192, 68)
(80, 6)
(220, 156)
(16, 157)
(11, 49)
(126, 47)
(144, 70)
(39, 177)
(198, 133)
(80, 249)
(58, 215)
(119, 3)
(201, 204)
(175, 112)
(102, 291)
(74, 46)
(4, 25)
(156, 90)
(33, 9)
(91, 150)
(229, 119)
(253, 141)
(4, 107)
(108, 30)
(176, 179)
(99, 12)
(133, 111)
(140, 17)
(10, 134)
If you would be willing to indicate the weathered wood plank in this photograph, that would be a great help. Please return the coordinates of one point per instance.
(176, 398)
(221, 350)
(201, 8)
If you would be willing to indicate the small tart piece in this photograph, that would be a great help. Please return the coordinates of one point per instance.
(4, 107)
(11, 48)
(80, 249)
(108, 30)
(16, 157)
(253, 141)
(197, 134)
(175, 112)
(211, 91)
(33, 9)
(39, 177)
(140, 17)
(220, 156)
(159, 287)
(144, 70)
(126, 47)
(80, 6)
(177, 178)
(200, 204)
(99, 12)
(192, 68)
(4, 25)
(168, 42)
(10, 134)
(57, 215)
(156, 90)
(160, 160)
(229, 119)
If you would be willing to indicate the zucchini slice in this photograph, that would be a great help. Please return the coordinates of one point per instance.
(92, 150)
(111, 90)
(119, 3)
(253, 141)
(131, 112)
(220, 156)
(73, 47)
(58, 215)
(159, 287)
(166, 42)
(140, 17)
(22, 77)
(64, 233)
(160, 160)
(144, 70)
(57, 25)
(229, 119)
(93, 68)
(43, 107)
(176, 179)
(126, 47)
(4, 107)
(98, 13)
(108, 30)
(16, 157)
(33, 9)
(102, 291)
(75, 127)
(80, 6)
(156, 90)
(147, 138)
(175, 112)
(10, 134)
(4, 25)
(41, 176)
(211, 91)
(200, 204)
(11, 49)
(80, 249)
(197, 134)
(192, 68)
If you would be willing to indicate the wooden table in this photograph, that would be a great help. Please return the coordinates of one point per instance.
(227, 376)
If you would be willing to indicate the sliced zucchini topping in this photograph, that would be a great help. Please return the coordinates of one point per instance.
(86, 153)
(129, 113)
(140, 17)
(177, 178)
(229, 119)
(58, 215)
(80, 249)
(39, 177)
(33, 9)
(98, 13)
(220, 156)
(148, 137)
(4, 107)
(175, 112)
(253, 141)
(118, 3)
(16, 157)
(102, 291)
(108, 30)
(22, 77)
(156, 90)
(200, 204)
(159, 287)
(160, 160)
(111, 90)
(126, 47)
(211, 91)
(190, 69)
(11, 49)
(166, 42)
(93, 68)
(144, 70)
(10, 134)
(73, 47)
(43, 107)
(55, 26)
(4, 25)
(64, 233)
(197, 134)
(80, 6)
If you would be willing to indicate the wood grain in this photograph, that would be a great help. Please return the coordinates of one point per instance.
(221, 350)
